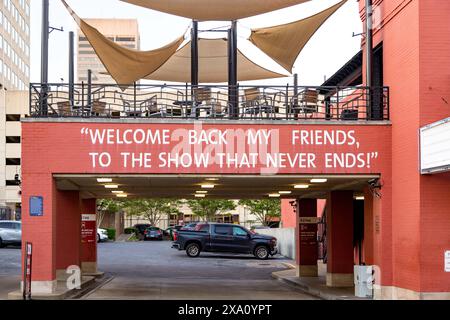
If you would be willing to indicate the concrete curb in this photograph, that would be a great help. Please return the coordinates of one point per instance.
(309, 289)
(60, 294)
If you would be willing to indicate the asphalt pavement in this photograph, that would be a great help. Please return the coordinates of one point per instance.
(153, 270)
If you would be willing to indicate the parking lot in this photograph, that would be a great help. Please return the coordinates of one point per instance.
(153, 270)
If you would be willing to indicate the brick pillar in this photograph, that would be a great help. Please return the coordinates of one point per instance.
(40, 231)
(68, 231)
(307, 247)
(369, 222)
(89, 245)
(340, 239)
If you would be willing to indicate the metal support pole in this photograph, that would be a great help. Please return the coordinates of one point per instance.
(194, 53)
(233, 96)
(71, 68)
(89, 93)
(369, 57)
(44, 57)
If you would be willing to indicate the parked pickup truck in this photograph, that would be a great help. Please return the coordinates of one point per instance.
(218, 237)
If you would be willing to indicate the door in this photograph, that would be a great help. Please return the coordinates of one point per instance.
(241, 239)
(222, 238)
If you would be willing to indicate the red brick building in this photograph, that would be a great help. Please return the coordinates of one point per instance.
(406, 214)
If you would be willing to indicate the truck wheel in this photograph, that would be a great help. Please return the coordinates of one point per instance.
(1, 243)
(193, 250)
(262, 253)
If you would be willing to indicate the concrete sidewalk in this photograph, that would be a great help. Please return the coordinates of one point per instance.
(8, 283)
(315, 286)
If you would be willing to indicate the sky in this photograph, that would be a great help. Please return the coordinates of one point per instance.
(331, 47)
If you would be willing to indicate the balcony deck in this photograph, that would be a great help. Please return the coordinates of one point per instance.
(185, 103)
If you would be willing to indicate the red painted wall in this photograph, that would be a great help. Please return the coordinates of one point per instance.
(51, 148)
(416, 45)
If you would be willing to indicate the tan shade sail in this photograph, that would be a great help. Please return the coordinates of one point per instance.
(217, 10)
(213, 65)
(284, 43)
(125, 65)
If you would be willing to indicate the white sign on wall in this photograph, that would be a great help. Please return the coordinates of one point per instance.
(447, 261)
(435, 147)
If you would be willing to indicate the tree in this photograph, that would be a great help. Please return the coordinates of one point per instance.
(154, 210)
(207, 209)
(107, 205)
(264, 209)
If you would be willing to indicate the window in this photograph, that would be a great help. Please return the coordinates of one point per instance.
(202, 227)
(239, 232)
(13, 117)
(13, 161)
(125, 39)
(6, 225)
(223, 230)
(12, 139)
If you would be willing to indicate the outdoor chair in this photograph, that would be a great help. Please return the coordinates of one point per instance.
(64, 109)
(203, 100)
(305, 102)
(98, 108)
(130, 109)
(151, 109)
(256, 103)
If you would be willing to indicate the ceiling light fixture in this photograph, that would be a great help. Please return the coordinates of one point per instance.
(104, 180)
(301, 186)
(122, 195)
(319, 180)
(117, 191)
(284, 192)
(208, 186)
(202, 192)
(274, 195)
(111, 186)
(200, 195)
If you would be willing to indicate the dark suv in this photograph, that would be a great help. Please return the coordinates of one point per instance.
(219, 237)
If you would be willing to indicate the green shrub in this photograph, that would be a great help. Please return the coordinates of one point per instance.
(130, 230)
(111, 234)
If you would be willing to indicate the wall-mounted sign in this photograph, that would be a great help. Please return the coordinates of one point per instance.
(435, 147)
(309, 220)
(88, 228)
(36, 206)
(447, 261)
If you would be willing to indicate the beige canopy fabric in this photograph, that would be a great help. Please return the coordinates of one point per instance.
(213, 65)
(284, 43)
(125, 65)
(215, 10)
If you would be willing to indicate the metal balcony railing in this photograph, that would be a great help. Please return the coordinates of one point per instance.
(209, 102)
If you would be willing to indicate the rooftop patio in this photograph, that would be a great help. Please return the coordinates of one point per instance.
(214, 102)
